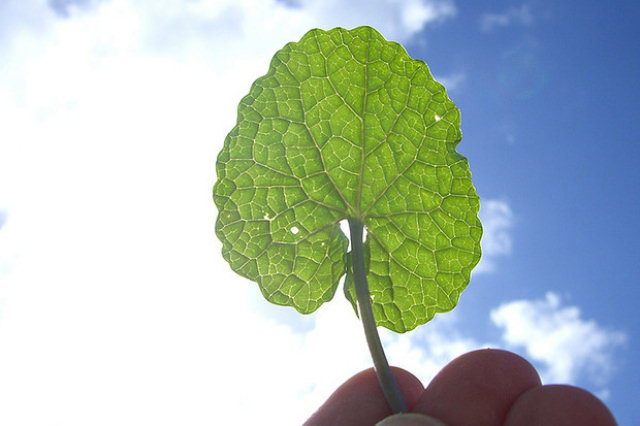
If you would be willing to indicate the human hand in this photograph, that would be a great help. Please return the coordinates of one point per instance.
(481, 388)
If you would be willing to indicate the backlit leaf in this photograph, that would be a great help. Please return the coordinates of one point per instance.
(346, 124)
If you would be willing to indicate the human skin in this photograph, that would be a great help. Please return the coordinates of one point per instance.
(486, 387)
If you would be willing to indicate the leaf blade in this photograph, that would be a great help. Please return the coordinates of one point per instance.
(346, 125)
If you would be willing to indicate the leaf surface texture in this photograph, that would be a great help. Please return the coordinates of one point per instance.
(346, 124)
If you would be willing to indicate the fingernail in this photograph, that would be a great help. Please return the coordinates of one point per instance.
(410, 419)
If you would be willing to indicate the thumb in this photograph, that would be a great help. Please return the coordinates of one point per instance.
(410, 419)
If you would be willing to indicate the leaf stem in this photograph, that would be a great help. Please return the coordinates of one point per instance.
(385, 376)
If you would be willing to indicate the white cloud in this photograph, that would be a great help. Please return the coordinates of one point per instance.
(452, 82)
(497, 221)
(557, 337)
(112, 289)
(513, 16)
(416, 13)
(564, 347)
(397, 20)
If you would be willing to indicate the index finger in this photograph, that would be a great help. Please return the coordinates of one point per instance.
(360, 401)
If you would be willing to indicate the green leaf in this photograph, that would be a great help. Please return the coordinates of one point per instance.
(346, 124)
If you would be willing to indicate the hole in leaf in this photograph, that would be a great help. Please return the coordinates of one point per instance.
(295, 229)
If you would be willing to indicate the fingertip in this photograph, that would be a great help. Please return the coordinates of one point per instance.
(478, 388)
(559, 405)
(360, 401)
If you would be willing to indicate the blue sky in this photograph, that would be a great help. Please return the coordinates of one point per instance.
(112, 287)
